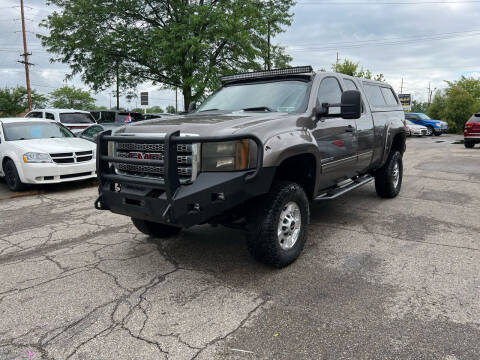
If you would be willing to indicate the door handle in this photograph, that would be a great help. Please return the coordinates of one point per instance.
(350, 128)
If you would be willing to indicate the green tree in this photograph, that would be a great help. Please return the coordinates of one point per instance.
(436, 110)
(155, 110)
(170, 109)
(460, 105)
(184, 44)
(353, 69)
(420, 107)
(469, 84)
(456, 103)
(13, 101)
(70, 97)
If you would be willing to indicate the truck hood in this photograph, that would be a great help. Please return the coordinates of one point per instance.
(217, 124)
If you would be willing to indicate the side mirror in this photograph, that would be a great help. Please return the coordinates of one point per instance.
(192, 107)
(351, 105)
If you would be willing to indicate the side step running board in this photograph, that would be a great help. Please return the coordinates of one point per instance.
(340, 190)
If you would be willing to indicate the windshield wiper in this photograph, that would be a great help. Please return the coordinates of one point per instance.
(258, 108)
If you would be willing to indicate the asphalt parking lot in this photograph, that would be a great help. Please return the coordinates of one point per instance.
(378, 278)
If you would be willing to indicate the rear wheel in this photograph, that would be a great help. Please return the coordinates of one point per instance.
(469, 144)
(11, 176)
(155, 229)
(388, 180)
(278, 228)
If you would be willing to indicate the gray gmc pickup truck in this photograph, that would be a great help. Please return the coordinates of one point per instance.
(254, 155)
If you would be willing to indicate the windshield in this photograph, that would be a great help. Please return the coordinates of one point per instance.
(76, 118)
(410, 123)
(423, 117)
(284, 96)
(35, 130)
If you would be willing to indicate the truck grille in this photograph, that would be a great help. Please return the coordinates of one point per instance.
(185, 160)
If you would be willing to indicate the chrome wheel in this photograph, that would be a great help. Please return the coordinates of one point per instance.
(429, 131)
(396, 174)
(289, 225)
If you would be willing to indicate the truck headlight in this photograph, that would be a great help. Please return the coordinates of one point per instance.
(32, 157)
(228, 155)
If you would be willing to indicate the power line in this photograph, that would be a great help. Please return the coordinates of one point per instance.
(371, 3)
(336, 43)
(381, 43)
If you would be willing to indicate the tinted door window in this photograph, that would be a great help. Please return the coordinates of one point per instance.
(350, 85)
(330, 92)
(374, 95)
(49, 116)
(389, 97)
(92, 130)
(34, 114)
(106, 117)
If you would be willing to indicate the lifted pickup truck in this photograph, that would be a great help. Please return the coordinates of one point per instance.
(254, 155)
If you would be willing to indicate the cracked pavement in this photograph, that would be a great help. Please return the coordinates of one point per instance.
(377, 279)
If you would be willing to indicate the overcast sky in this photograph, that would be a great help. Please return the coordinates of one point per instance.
(422, 41)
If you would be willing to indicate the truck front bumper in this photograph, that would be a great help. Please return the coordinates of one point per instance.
(210, 195)
(167, 200)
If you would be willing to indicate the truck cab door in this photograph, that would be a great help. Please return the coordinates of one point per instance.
(336, 137)
(365, 130)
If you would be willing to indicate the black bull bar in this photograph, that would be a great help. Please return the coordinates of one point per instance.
(171, 182)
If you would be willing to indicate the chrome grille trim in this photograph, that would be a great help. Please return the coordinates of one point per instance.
(187, 160)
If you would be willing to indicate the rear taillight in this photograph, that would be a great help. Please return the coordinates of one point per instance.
(468, 125)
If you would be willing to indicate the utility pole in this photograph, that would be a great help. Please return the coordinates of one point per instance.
(25, 56)
(401, 87)
(118, 85)
(336, 64)
(429, 94)
(268, 46)
(176, 100)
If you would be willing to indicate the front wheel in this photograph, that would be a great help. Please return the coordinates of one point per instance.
(278, 228)
(430, 131)
(155, 229)
(388, 180)
(11, 176)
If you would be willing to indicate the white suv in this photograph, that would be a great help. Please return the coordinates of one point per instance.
(74, 120)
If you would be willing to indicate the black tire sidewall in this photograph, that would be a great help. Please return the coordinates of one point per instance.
(263, 240)
(11, 175)
(384, 183)
(395, 158)
(469, 144)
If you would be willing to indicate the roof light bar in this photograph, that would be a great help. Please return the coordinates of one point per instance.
(267, 73)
